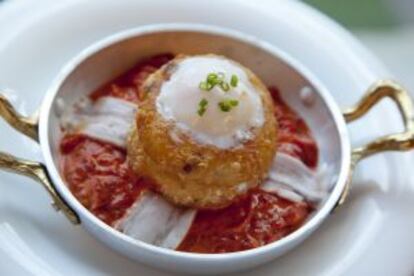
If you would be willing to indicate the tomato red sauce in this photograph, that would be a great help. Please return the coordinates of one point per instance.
(294, 136)
(98, 175)
(259, 219)
(126, 86)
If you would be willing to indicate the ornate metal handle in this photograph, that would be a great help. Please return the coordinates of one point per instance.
(394, 142)
(25, 125)
(34, 170)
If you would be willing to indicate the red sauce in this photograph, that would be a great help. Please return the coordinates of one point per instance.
(255, 221)
(294, 136)
(98, 175)
(126, 86)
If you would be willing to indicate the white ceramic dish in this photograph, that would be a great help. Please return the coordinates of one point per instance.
(90, 69)
(364, 71)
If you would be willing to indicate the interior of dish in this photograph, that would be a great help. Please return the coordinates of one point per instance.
(96, 168)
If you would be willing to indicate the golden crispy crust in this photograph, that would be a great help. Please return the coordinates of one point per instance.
(194, 175)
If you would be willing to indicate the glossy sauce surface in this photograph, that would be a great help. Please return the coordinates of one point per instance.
(98, 175)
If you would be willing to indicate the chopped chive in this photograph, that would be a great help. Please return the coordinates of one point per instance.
(201, 111)
(234, 80)
(233, 102)
(225, 86)
(212, 77)
(202, 107)
(203, 86)
(224, 106)
(227, 105)
(209, 86)
(203, 103)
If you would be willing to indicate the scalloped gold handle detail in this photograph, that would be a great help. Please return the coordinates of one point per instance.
(394, 142)
(35, 170)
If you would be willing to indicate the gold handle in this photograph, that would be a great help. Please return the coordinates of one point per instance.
(25, 125)
(34, 170)
(394, 142)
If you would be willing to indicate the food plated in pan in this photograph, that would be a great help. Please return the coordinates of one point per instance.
(170, 141)
(191, 153)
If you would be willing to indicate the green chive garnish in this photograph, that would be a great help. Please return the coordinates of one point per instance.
(209, 86)
(201, 112)
(227, 105)
(234, 80)
(209, 83)
(225, 86)
(224, 106)
(233, 102)
(202, 107)
(203, 85)
(212, 77)
(203, 103)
